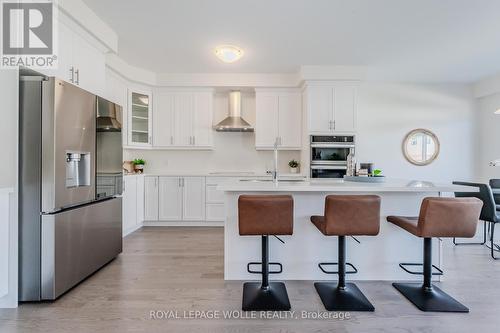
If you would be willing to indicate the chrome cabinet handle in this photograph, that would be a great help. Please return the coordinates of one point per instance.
(77, 74)
(72, 74)
(194, 140)
(171, 139)
(179, 181)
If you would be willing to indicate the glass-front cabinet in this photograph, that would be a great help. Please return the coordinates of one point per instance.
(140, 108)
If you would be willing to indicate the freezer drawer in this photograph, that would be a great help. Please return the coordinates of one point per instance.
(77, 242)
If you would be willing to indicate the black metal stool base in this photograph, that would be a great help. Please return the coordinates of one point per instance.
(434, 300)
(348, 299)
(272, 298)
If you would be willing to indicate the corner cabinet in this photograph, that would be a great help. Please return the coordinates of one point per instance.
(139, 117)
(278, 119)
(331, 107)
(183, 119)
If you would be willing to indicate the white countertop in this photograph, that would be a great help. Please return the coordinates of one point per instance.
(218, 174)
(391, 185)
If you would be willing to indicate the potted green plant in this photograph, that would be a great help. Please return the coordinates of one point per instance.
(294, 166)
(139, 165)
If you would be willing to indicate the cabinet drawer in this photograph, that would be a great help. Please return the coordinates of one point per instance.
(213, 195)
(215, 212)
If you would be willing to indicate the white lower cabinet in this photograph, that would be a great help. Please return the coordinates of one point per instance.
(193, 198)
(174, 198)
(150, 198)
(133, 203)
(215, 210)
(170, 199)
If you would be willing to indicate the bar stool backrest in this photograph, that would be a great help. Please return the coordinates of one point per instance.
(449, 217)
(495, 184)
(265, 215)
(350, 215)
(488, 213)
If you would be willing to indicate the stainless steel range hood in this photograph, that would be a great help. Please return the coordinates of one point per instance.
(108, 115)
(234, 122)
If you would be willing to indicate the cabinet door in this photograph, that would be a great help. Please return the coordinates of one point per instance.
(344, 108)
(140, 200)
(170, 199)
(183, 119)
(320, 108)
(290, 120)
(139, 115)
(89, 65)
(151, 198)
(129, 208)
(163, 112)
(202, 119)
(64, 55)
(266, 120)
(193, 199)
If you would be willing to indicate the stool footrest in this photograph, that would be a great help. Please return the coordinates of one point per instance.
(403, 264)
(260, 263)
(321, 264)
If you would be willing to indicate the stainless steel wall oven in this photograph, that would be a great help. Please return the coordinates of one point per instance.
(329, 155)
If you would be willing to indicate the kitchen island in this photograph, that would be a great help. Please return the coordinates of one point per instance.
(376, 257)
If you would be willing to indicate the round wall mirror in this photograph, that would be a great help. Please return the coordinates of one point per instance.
(421, 147)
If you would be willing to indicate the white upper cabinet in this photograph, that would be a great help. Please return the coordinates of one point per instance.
(266, 119)
(320, 108)
(79, 61)
(290, 120)
(331, 107)
(89, 66)
(139, 117)
(183, 114)
(163, 135)
(344, 109)
(202, 119)
(183, 119)
(278, 119)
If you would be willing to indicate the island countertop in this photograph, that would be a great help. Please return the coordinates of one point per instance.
(390, 185)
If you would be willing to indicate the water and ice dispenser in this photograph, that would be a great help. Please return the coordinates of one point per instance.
(77, 169)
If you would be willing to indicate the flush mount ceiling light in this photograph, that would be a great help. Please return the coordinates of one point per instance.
(228, 53)
(497, 112)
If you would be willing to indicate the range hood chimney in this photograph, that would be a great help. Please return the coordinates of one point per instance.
(234, 122)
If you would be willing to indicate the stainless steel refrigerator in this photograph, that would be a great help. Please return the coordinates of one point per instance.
(68, 226)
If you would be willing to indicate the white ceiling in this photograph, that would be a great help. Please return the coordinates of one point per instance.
(409, 40)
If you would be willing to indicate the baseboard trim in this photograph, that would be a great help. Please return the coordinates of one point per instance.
(131, 230)
(182, 224)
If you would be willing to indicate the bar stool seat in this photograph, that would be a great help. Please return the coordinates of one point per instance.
(264, 215)
(439, 217)
(346, 215)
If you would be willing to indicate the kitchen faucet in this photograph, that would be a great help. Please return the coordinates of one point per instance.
(274, 173)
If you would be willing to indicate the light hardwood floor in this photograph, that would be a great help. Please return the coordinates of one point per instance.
(181, 269)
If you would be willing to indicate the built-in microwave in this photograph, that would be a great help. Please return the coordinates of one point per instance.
(329, 155)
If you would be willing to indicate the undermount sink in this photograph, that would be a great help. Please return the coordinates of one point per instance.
(270, 180)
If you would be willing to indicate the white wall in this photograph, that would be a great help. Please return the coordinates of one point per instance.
(233, 151)
(8, 126)
(388, 111)
(488, 144)
(8, 183)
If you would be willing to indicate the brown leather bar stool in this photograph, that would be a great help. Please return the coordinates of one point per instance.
(264, 215)
(439, 217)
(346, 215)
